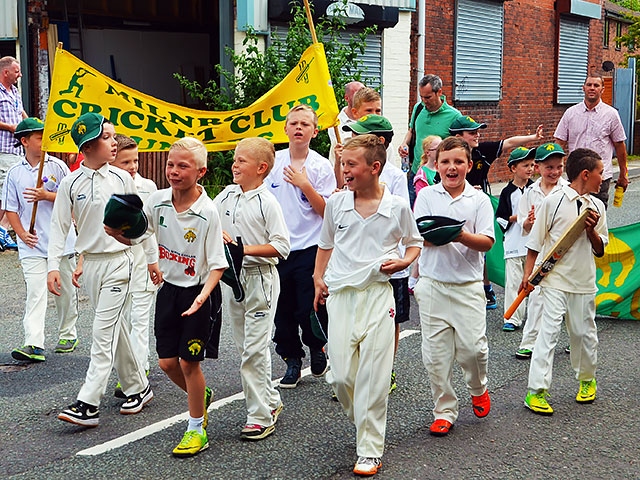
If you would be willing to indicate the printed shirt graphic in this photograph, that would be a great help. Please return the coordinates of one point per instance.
(190, 242)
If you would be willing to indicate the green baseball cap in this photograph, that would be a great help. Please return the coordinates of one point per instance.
(545, 150)
(370, 124)
(465, 124)
(27, 126)
(439, 230)
(86, 128)
(519, 154)
(124, 212)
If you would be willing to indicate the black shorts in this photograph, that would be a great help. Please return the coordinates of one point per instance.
(401, 297)
(178, 336)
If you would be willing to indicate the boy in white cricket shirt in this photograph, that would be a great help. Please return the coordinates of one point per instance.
(357, 254)
(521, 164)
(301, 180)
(549, 160)
(189, 260)
(250, 211)
(450, 291)
(569, 291)
(19, 193)
(83, 195)
(143, 291)
(396, 181)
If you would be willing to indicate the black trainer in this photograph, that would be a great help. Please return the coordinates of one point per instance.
(291, 377)
(318, 362)
(135, 402)
(80, 413)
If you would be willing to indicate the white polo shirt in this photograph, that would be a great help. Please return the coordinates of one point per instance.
(303, 222)
(533, 196)
(22, 176)
(189, 243)
(360, 245)
(257, 218)
(455, 262)
(144, 186)
(396, 181)
(576, 271)
(84, 194)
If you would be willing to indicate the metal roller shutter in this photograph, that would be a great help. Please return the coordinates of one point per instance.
(573, 59)
(372, 58)
(478, 55)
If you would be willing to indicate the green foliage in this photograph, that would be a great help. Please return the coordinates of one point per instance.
(255, 71)
(630, 4)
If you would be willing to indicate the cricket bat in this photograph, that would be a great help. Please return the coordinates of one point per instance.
(556, 253)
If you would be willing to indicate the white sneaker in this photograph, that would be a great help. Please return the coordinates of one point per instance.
(367, 466)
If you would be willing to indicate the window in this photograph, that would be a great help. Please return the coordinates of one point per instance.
(478, 51)
(573, 54)
(618, 35)
(605, 33)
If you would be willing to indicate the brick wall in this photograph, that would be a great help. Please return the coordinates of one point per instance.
(528, 77)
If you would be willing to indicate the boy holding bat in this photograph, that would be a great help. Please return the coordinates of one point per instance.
(569, 289)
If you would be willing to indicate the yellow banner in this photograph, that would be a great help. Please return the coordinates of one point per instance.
(77, 88)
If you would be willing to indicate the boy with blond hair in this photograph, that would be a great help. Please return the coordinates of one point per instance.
(250, 211)
(301, 180)
(568, 292)
(190, 260)
(549, 163)
(83, 195)
(19, 193)
(449, 293)
(142, 289)
(357, 254)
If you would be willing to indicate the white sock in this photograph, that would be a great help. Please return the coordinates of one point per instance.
(195, 424)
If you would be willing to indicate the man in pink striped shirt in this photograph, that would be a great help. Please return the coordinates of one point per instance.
(594, 124)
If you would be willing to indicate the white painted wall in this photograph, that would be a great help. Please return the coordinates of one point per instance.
(396, 77)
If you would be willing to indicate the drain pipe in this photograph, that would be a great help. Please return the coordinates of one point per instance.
(421, 40)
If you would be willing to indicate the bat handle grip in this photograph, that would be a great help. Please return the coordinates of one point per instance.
(518, 300)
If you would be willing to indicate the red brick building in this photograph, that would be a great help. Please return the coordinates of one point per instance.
(546, 49)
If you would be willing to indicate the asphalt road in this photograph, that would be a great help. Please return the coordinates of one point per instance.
(313, 438)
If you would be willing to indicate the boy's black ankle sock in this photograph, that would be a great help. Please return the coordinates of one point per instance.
(488, 288)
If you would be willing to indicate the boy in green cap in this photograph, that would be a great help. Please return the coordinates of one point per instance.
(19, 193)
(107, 267)
(521, 164)
(549, 158)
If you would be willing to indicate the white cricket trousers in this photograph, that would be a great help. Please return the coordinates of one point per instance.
(251, 326)
(534, 319)
(579, 311)
(106, 280)
(513, 273)
(453, 321)
(137, 324)
(361, 335)
(143, 296)
(35, 277)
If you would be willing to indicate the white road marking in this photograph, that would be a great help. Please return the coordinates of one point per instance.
(161, 425)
